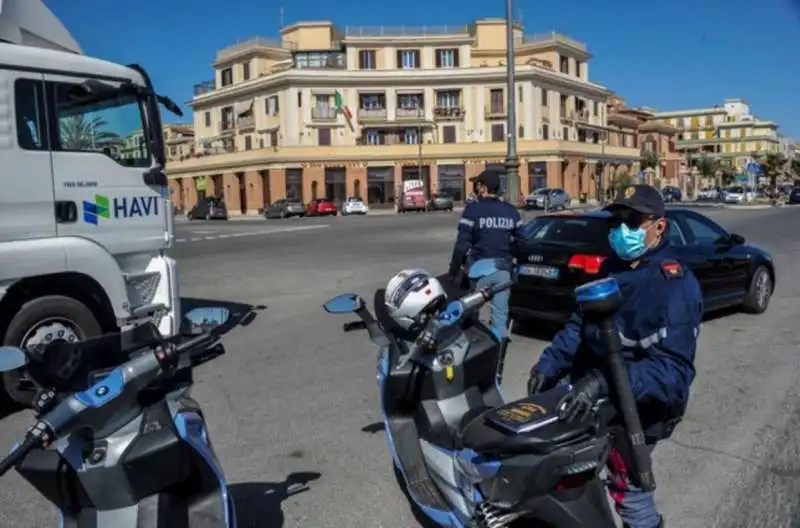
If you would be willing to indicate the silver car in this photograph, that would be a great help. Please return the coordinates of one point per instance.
(551, 199)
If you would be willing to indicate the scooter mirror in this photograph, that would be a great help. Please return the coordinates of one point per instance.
(204, 319)
(482, 268)
(344, 304)
(11, 358)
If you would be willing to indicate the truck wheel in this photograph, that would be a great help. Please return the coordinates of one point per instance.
(53, 318)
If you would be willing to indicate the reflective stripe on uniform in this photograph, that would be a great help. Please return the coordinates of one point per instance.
(467, 222)
(652, 339)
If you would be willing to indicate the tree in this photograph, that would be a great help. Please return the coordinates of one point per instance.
(707, 167)
(795, 170)
(728, 176)
(650, 160)
(621, 180)
(772, 164)
(80, 132)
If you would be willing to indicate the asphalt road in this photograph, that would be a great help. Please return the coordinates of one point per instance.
(294, 398)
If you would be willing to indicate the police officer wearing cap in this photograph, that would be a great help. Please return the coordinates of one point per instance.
(487, 230)
(658, 321)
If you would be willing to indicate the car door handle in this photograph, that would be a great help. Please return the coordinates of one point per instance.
(66, 212)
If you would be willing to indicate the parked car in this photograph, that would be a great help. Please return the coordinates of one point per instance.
(559, 252)
(554, 199)
(208, 208)
(354, 205)
(321, 207)
(671, 194)
(738, 194)
(709, 193)
(285, 208)
(440, 202)
(794, 196)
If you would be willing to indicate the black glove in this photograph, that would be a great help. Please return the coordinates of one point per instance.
(580, 401)
(537, 382)
(456, 276)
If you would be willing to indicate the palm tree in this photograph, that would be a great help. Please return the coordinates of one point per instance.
(621, 180)
(650, 160)
(707, 167)
(773, 164)
(80, 132)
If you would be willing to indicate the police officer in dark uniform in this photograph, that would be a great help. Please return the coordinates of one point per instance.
(487, 230)
(659, 323)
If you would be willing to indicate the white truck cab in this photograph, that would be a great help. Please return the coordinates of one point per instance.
(85, 216)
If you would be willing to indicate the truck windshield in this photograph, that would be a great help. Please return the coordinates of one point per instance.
(109, 121)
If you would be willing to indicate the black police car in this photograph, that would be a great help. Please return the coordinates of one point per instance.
(562, 251)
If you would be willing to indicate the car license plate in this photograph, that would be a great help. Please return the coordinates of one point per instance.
(544, 272)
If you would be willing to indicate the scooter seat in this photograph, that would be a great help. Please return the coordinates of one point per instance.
(529, 425)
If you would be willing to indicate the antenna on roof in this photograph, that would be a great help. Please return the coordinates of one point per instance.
(281, 18)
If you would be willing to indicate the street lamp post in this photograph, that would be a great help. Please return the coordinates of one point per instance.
(512, 160)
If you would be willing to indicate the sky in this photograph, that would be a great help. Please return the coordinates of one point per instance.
(668, 55)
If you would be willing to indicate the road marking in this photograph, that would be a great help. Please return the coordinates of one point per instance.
(269, 231)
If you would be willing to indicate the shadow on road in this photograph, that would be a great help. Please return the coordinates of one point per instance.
(258, 504)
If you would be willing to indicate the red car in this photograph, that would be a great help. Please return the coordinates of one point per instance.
(321, 207)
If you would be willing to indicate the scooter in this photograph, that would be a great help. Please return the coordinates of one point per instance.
(118, 441)
(466, 458)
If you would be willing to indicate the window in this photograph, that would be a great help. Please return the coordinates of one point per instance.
(207, 118)
(519, 91)
(324, 137)
(273, 139)
(300, 99)
(411, 136)
(596, 108)
(565, 133)
(408, 59)
(448, 99)
(366, 60)
(271, 105)
(409, 101)
(675, 234)
(498, 132)
(447, 58)
(294, 184)
(497, 100)
(449, 134)
(578, 233)
(563, 64)
(704, 232)
(372, 137)
(31, 116)
(246, 71)
(227, 77)
(111, 122)
(227, 118)
(520, 132)
(545, 132)
(320, 60)
(544, 97)
(248, 143)
(579, 68)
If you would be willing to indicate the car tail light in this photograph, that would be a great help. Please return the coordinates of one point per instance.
(590, 264)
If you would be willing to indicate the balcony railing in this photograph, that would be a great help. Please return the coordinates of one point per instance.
(410, 113)
(323, 113)
(205, 87)
(495, 110)
(448, 112)
(405, 31)
(581, 116)
(227, 125)
(372, 113)
(246, 122)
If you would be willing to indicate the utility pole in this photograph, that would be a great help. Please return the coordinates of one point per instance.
(512, 160)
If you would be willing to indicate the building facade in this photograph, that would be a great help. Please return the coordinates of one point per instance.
(728, 132)
(355, 112)
(179, 141)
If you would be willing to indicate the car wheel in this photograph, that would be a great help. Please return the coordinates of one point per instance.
(208, 216)
(759, 293)
(49, 319)
(283, 214)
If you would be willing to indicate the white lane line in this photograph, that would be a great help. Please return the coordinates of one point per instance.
(270, 231)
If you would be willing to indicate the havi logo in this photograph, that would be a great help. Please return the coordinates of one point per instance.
(126, 207)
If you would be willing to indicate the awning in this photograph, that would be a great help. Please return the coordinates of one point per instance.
(244, 108)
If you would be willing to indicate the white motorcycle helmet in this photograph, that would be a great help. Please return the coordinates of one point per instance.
(412, 293)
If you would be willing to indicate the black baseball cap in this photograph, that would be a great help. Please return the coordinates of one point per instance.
(644, 199)
(490, 178)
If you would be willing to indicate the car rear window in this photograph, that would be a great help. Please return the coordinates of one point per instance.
(575, 232)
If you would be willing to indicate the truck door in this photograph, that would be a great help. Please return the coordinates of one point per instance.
(26, 211)
(100, 155)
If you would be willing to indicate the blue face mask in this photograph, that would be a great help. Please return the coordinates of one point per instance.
(627, 243)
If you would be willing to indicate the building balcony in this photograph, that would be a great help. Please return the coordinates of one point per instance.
(494, 111)
(448, 113)
(246, 122)
(323, 114)
(581, 116)
(205, 87)
(372, 114)
(410, 113)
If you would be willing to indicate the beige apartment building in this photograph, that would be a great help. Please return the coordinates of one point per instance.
(728, 132)
(356, 111)
(179, 141)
